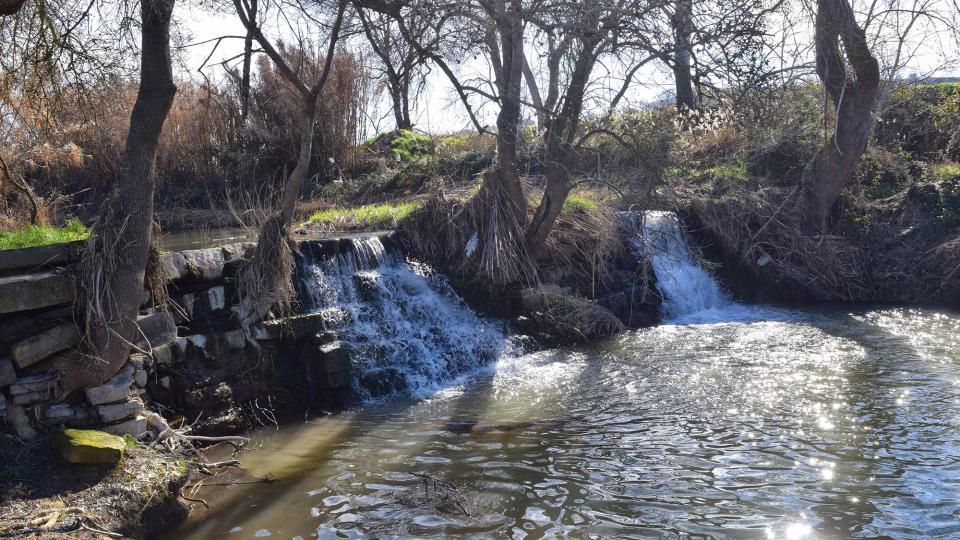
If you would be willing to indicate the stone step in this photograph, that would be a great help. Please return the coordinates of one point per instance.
(34, 291)
(40, 256)
(40, 346)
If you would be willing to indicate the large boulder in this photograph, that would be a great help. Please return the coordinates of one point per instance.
(87, 446)
(205, 264)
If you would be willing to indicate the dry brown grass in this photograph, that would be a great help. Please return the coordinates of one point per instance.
(478, 238)
(266, 280)
(751, 226)
(578, 318)
(585, 244)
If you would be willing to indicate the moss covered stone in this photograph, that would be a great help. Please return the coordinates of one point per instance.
(88, 446)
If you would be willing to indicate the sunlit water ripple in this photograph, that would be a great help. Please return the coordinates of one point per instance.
(822, 424)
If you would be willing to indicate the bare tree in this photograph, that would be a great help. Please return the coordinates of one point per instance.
(584, 34)
(851, 80)
(266, 281)
(403, 68)
(115, 261)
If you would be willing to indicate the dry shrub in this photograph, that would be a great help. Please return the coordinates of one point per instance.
(585, 244)
(72, 142)
(760, 230)
(266, 279)
(578, 318)
(943, 264)
(479, 238)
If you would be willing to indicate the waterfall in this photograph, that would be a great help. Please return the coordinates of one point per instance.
(690, 293)
(409, 330)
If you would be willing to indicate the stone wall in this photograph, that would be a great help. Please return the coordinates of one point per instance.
(190, 359)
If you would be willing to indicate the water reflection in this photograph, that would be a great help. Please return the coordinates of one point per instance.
(826, 425)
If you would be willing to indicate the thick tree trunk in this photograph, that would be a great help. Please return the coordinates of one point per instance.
(114, 265)
(401, 114)
(503, 176)
(682, 30)
(854, 96)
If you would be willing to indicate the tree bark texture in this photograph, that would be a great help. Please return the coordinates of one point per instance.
(853, 92)
(114, 265)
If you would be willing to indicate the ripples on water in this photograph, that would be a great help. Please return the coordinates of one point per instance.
(810, 425)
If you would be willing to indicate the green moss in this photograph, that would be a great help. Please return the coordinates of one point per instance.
(371, 216)
(409, 146)
(88, 446)
(727, 174)
(579, 204)
(32, 235)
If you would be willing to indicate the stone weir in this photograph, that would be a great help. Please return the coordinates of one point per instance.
(191, 361)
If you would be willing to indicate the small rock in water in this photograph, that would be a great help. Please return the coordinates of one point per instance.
(262, 533)
(88, 446)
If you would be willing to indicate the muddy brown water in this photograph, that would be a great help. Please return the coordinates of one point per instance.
(777, 424)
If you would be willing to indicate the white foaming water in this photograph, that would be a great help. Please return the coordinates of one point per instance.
(410, 332)
(690, 293)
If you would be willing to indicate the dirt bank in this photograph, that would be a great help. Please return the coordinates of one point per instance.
(43, 496)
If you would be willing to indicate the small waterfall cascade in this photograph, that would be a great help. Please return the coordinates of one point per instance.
(409, 330)
(689, 291)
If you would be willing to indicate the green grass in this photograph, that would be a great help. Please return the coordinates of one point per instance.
(579, 204)
(944, 170)
(43, 235)
(371, 216)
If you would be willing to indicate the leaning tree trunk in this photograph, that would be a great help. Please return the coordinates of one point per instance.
(560, 155)
(682, 30)
(247, 61)
(266, 281)
(503, 177)
(114, 264)
(854, 96)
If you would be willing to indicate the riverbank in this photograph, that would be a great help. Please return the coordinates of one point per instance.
(43, 496)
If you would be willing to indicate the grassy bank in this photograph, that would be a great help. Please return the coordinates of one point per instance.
(34, 235)
(367, 217)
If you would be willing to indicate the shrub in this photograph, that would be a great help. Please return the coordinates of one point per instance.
(579, 204)
(923, 120)
(881, 173)
(409, 146)
(947, 177)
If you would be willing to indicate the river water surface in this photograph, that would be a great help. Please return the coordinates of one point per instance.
(749, 423)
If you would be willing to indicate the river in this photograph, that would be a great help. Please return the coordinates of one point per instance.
(727, 421)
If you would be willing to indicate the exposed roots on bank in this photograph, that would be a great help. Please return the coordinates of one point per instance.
(479, 238)
(761, 230)
(266, 280)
